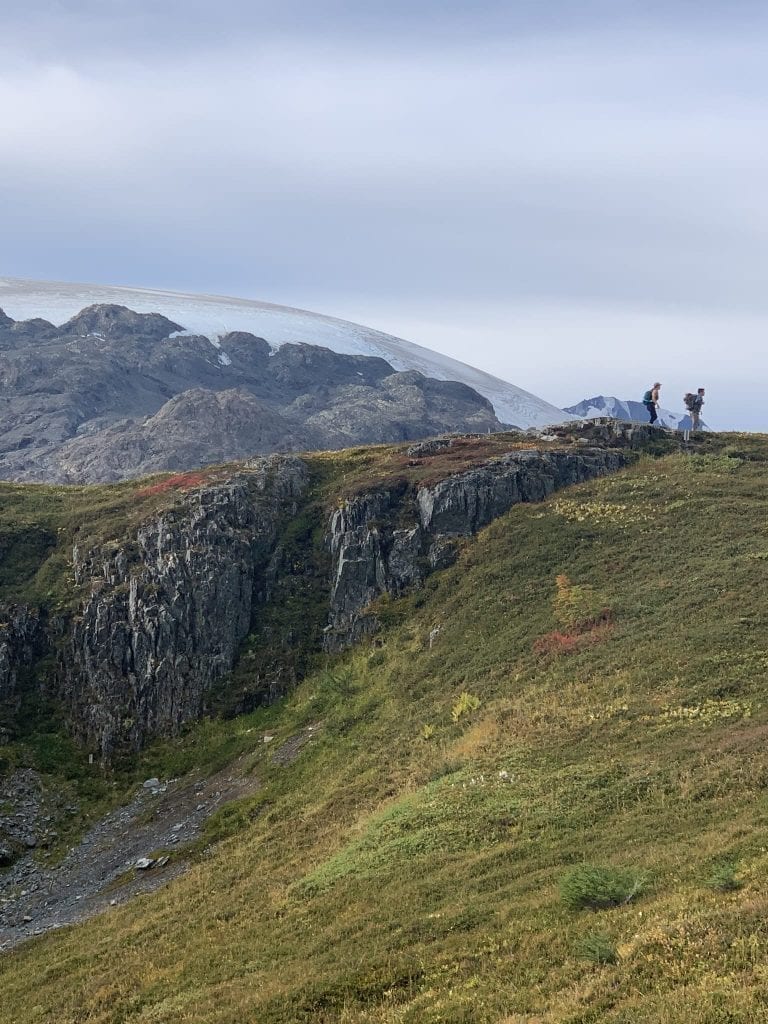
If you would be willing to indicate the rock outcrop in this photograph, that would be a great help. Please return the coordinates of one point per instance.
(161, 623)
(385, 543)
(20, 638)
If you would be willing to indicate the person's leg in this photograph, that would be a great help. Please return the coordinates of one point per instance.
(652, 410)
(694, 421)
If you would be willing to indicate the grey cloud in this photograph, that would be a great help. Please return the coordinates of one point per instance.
(526, 162)
(112, 24)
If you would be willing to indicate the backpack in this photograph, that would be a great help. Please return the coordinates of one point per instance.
(690, 401)
(648, 397)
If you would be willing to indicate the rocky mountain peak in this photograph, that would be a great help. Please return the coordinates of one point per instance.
(112, 321)
(15, 332)
(300, 365)
(245, 347)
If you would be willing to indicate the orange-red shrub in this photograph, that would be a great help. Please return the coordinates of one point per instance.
(178, 482)
(558, 642)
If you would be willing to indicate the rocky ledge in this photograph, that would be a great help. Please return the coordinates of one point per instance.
(164, 616)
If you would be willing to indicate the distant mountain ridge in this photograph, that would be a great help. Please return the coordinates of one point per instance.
(213, 316)
(112, 394)
(617, 408)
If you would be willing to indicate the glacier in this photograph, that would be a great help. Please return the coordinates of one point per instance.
(214, 316)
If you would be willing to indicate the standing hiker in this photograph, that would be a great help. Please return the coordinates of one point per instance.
(651, 401)
(693, 404)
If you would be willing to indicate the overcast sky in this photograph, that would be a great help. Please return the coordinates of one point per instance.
(572, 195)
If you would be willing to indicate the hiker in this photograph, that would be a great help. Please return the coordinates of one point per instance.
(693, 404)
(651, 401)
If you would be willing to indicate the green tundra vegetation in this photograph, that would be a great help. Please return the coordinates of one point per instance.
(538, 796)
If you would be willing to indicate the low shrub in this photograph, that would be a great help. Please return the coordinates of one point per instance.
(583, 620)
(340, 683)
(558, 642)
(467, 702)
(578, 608)
(595, 888)
(723, 878)
(598, 948)
(177, 482)
(715, 463)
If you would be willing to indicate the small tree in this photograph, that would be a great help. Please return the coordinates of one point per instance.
(598, 948)
(723, 878)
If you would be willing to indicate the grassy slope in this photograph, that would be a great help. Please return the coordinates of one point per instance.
(385, 876)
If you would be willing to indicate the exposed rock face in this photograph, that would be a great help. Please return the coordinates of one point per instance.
(463, 504)
(113, 394)
(20, 639)
(160, 626)
(375, 552)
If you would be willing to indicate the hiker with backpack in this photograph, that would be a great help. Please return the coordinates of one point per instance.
(693, 404)
(651, 401)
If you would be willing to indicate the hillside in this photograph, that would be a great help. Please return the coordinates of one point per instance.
(583, 686)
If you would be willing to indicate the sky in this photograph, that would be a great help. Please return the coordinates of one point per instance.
(570, 195)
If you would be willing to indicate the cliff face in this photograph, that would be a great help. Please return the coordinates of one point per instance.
(383, 543)
(163, 622)
(20, 638)
(163, 613)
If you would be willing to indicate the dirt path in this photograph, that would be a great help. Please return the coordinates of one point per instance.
(106, 866)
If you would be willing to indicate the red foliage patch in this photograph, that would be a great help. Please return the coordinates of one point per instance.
(178, 482)
(558, 642)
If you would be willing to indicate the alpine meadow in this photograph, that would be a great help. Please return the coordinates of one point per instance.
(534, 793)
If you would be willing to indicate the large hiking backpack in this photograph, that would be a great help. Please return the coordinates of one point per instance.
(648, 397)
(690, 401)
